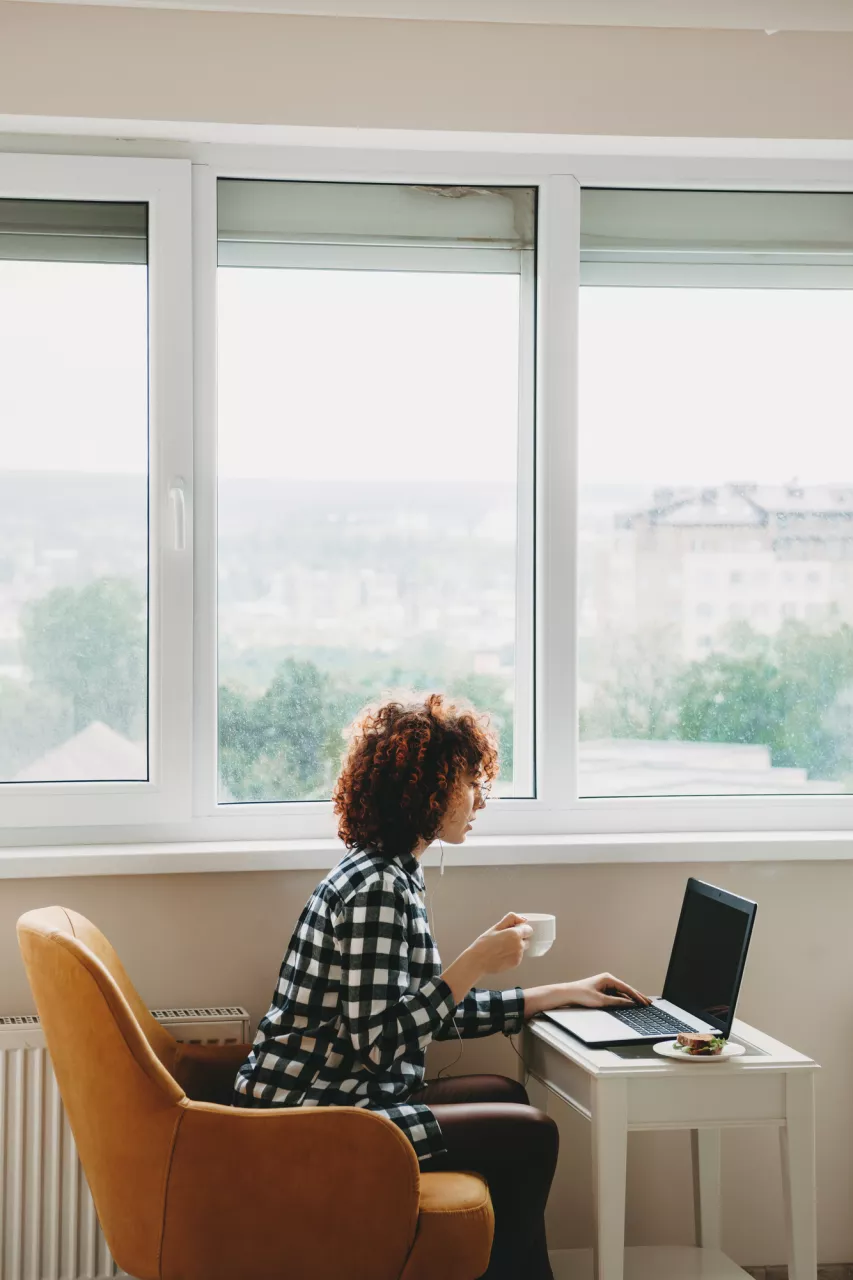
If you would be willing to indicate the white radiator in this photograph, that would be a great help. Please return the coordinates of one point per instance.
(48, 1226)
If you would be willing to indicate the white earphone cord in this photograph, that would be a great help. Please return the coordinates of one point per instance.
(431, 919)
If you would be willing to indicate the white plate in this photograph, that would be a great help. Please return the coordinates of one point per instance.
(668, 1049)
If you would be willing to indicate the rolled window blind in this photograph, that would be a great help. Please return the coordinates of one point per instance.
(73, 231)
(258, 217)
(706, 237)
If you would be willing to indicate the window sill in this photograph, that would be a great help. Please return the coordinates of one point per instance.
(294, 855)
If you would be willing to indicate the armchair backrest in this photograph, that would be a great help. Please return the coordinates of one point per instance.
(111, 1060)
(192, 1190)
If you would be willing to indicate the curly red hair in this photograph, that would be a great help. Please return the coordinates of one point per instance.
(402, 769)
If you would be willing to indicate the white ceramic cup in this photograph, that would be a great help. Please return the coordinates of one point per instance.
(544, 932)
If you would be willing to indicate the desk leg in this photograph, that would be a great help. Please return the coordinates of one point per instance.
(799, 1176)
(705, 1145)
(609, 1169)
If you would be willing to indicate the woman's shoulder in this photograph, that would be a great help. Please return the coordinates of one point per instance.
(361, 872)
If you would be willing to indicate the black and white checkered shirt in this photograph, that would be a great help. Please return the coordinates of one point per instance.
(359, 997)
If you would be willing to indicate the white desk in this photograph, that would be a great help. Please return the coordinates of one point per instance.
(624, 1089)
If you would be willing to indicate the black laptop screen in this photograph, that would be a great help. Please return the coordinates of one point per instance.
(705, 966)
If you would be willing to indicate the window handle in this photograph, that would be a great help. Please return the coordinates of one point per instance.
(178, 503)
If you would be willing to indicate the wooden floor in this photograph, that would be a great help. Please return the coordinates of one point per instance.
(652, 1263)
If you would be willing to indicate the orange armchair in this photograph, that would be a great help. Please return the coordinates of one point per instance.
(187, 1188)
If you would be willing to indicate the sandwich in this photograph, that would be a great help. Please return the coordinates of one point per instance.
(700, 1044)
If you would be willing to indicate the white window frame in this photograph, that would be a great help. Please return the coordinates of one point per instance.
(658, 828)
(311, 819)
(165, 186)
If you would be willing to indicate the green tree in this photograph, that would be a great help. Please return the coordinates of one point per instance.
(790, 692)
(635, 683)
(239, 740)
(730, 699)
(488, 694)
(89, 646)
(287, 743)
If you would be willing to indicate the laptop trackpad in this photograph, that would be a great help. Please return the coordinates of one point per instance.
(591, 1024)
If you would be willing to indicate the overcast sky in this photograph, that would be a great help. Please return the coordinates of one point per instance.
(357, 375)
(699, 386)
(72, 367)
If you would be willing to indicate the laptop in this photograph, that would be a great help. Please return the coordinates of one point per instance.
(702, 981)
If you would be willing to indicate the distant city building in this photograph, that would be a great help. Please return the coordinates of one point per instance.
(698, 560)
(97, 753)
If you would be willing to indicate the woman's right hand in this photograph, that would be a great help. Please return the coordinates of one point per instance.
(503, 946)
(499, 948)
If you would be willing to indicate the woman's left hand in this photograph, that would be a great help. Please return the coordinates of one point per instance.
(602, 991)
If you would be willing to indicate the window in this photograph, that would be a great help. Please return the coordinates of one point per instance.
(95, 617)
(715, 337)
(375, 478)
(272, 449)
(73, 491)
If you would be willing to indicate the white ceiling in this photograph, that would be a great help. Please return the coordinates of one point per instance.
(767, 15)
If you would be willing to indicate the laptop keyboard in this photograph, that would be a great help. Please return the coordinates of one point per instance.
(650, 1021)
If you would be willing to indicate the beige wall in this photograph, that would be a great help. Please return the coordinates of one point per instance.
(129, 63)
(204, 939)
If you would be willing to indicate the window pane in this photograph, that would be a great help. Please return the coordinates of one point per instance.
(716, 540)
(368, 444)
(73, 495)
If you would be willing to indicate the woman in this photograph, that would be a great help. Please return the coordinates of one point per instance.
(361, 991)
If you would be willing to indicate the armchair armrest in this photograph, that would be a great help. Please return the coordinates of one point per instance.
(206, 1071)
(344, 1181)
